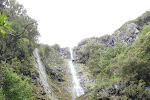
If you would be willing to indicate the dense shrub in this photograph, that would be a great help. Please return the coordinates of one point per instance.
(15, 88)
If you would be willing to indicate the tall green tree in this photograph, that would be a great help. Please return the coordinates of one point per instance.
(15, 88)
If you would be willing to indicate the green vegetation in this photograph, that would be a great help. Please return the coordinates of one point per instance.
(15, 88)
(126, 65)
(19, 80)
(122, 70)
(18, 77)
(4, 24)
(57, 70)
(97, 56)
(145, 18)
(51, 54)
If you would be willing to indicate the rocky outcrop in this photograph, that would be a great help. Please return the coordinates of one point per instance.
(64, 52)
(54, 75)
(35, 75)
(127, 33)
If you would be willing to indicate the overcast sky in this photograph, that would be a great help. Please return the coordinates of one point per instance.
(67, 22)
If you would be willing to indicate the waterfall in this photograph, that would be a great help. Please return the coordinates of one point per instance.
(77, 89)
(41, 71)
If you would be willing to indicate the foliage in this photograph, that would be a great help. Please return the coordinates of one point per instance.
(20, 42)
(133, 63)
(4, 24)
(97, 56)
(17, 46)
(107, 55)
(143, 19)
(146, 29)
(51, 54)
(16, 50)
(137, 91)
(56, 70)
(124, 62)
(2, 96)
(15, 88)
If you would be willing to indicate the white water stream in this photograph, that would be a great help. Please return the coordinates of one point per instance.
(41, 71)
(77, 89)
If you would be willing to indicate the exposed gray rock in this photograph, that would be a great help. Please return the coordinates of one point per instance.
(148, 88)
(54, 75)
(60, 69)
(64, 52)
(35, 75)
(127, 33)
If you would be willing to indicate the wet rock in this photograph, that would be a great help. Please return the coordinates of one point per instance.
(110, 42)
(61, 79)
(35, 75)
(43, 93)
(58, 68)
(111, 91)
(54, 75)
(82, 80)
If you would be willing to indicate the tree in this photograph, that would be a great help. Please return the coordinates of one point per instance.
(4, 24)
(14, 87)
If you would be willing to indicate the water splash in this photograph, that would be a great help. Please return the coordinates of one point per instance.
(77, 89)
(41, 70)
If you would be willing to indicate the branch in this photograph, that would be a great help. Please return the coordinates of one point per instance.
(22, 31)
(27, 26)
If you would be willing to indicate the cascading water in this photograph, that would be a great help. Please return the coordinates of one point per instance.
(77, 89)
(41, 70)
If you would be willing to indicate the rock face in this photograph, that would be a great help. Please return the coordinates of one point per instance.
(127, 33)
(130, 30)
(64, 52)
(54, 74)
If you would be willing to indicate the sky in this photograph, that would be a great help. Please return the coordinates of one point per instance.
(67, 22)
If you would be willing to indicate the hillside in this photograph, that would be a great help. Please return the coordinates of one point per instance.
(19, 79)
(110, 67)
(119, 62)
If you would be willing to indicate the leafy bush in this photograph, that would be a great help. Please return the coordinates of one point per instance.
(2, 96)
(127, 63)
(15, 88)
(137, 91)
(4, 24)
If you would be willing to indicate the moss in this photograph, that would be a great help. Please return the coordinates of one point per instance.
(61, 89)
(40, 93)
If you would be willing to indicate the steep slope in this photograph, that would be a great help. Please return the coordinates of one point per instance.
(119, 62)
(57, 70)
(18, 77)
(129, 31)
